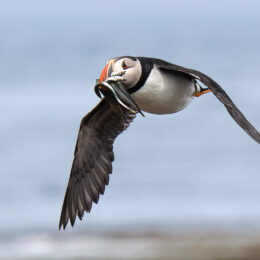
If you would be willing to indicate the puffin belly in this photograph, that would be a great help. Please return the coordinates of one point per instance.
(165, 93)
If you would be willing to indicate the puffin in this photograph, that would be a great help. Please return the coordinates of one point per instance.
(127, 86)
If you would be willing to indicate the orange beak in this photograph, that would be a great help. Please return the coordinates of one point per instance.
(107, 71)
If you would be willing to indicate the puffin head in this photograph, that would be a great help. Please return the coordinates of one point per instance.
(127, 67)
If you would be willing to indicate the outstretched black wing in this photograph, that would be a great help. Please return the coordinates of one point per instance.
(92, 160)
(218, 92)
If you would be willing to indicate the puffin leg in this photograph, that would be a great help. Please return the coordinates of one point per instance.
(202, 91)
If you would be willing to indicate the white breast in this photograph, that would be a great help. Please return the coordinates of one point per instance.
(164, 93)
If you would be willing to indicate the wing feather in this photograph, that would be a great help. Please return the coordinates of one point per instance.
(92, 162)
(218, 92)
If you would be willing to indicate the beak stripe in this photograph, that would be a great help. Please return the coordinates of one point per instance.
(103, 74)
(107, 71)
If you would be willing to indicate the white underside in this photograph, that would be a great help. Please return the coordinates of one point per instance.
(164, 93)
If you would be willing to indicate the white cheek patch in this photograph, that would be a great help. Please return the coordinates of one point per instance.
(132, 74)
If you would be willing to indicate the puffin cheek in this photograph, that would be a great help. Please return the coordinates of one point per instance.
(132, 78)
(128, 81)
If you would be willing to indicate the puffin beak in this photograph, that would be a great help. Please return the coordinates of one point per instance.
(107, 71)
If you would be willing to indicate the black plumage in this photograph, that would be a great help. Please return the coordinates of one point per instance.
(92, 160)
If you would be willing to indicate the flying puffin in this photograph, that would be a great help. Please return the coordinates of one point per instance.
(130, 85)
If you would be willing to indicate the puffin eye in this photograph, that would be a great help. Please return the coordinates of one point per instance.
(124, 66)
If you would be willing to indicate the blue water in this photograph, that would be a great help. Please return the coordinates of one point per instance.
(194, 169)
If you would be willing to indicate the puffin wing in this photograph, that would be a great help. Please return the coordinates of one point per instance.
(218, 92)
(92, 162)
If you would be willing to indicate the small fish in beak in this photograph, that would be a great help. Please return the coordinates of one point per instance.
(112, 88)
(117, 96)
(108, 92)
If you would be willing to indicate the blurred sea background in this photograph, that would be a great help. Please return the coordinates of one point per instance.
(183, 185)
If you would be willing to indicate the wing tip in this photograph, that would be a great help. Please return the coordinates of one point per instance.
(63, 223)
